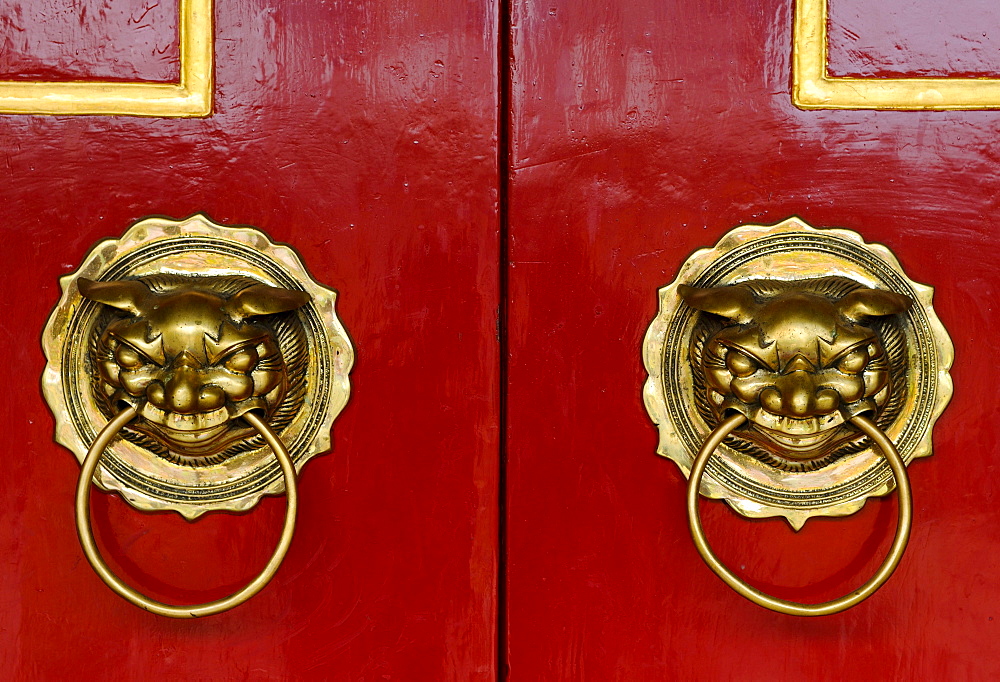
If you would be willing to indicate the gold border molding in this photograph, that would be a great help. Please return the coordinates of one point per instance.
(814, 88)
(190, 97)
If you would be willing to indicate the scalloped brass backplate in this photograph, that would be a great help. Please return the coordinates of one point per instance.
(799, 329)
(194, 324)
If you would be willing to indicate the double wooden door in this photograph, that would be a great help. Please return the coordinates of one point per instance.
(497, 189)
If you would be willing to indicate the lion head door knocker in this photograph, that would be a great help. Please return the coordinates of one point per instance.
(796, 372)
(193, 367)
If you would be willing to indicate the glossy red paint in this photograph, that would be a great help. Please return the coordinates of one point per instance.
(642, 131)
(364, 134)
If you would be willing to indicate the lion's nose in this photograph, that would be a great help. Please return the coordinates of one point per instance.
(184, 390)
(796, 395)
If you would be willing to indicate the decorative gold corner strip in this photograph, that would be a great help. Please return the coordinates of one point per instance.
(190, 97)
(814, 88)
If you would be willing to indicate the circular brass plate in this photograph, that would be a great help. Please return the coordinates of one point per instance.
(195, 246)
(792, 250)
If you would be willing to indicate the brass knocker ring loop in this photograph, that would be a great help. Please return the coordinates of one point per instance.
(196, 610)
(793, 608)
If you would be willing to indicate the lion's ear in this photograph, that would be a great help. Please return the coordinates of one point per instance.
(129, 295)
(261, 299)
(733, 302)
(862, 304)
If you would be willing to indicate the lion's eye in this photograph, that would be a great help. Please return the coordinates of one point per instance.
(129, 358)
(243, 361)
(854, 362)
(740, 364)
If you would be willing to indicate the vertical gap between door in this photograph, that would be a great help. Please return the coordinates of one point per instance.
(504, 76)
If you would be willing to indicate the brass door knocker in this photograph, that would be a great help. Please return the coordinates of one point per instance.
(795, 372)
(193, 367)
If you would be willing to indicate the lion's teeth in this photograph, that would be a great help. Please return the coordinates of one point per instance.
(185, 422)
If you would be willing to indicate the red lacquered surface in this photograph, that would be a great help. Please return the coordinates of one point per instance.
(364, 135)
(642, 131)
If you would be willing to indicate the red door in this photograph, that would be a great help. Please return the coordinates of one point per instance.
(363, 134)
(642, 131)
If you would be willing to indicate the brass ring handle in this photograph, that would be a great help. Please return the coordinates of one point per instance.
(195, 610)
(794, 608)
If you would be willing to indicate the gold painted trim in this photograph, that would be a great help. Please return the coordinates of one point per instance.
(190, 97)
(814, 88)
